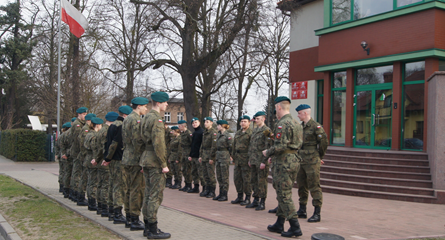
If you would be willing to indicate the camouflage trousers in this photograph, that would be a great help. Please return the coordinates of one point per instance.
(284, 177)
(176, 169)
(67, 175)
(170, 173)
(196, 172)
(208, 173)
(83, 180)
(308, 179)
(117, 184)
(76, 174)
(154, 193)
(241, 177)
(259, 180)
(103, 180)
(187, 170)
(222, 173)
(92, 183)
(61, 170)
(134, 188)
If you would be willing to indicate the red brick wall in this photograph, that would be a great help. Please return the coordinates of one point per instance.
(302, 65)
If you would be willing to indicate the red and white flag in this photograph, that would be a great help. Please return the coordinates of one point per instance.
(71, 16)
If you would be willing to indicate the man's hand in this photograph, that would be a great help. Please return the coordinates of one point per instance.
(269, 160)
(94, 162)
(165, 170)
(210, 162)
(190, 158)
(199, 159)
(264, 152)
(105, 163)
(322, 162)
(177, 161)
(64, 156)
(262, 166)
(249, 163)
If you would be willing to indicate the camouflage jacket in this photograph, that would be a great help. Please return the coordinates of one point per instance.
(208, 146)
(259, 141)
(57, 147)
(288, 139)
(88, 143)
(168, 138)
(65, 144)
(315, 142)
(174, 150)
(153, 135)
(99, 145)
(240, 150)
(76, 129)
(83, 151)
(185, 143)
(224, 145)
(132, 140)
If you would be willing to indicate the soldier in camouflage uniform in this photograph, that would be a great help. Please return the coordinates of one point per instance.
(168, 137)
(65, 148)
(241, 173)
(83, 181)
(223, 157)
(76, 129)
(259, 165)
(58, 154)
(132, 175)
(315, 144)
(288, 139)
(207, 155)
(92, 169)
(185, 143)
(113, 158)
(174, 158)
(154, 163)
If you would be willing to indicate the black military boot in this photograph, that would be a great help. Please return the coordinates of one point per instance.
(278, 226)
(146, 228)
(81, 201)
(61, 188)
(205, 191)
(302, 211)
(72, 196)
(136, 224)
(177, 185)
(66, 193)
(185, 187)
(219, 196)
(128, 220)
(211, 193)
(155, 233)
(223, 197)
(273, 210)
(118, 217)
(99, 208)
(261, 205)
(246, 201)
(254, 203)
(104, 212)
(294, 229)
(238, 200)
(110, 213)
(316, 217)
(92, 204)
(194, 190)
(168, 182)
(75, 196)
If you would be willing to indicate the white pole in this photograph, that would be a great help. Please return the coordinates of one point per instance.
(58, 72)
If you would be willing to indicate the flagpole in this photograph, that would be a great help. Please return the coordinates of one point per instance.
(58, 71)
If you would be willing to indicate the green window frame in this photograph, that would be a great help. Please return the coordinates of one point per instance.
(320, 98)
(334, 89)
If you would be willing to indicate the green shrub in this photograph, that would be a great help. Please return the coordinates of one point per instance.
(23, 145)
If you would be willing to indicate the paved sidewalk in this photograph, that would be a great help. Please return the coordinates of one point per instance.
(188, 216)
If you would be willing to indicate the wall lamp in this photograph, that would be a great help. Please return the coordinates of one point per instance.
(364, 46)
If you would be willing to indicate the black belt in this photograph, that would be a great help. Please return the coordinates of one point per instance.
(242, 151)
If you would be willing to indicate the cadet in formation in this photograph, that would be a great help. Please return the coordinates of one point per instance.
(168, 138)
(65, 148)
(223, 157)
(174, 157)
(207, 156)
(83, 180)
(194, 155)
(90, 138)
(315, 144)
(58, 154)
(185, 146)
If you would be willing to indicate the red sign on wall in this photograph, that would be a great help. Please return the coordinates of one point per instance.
(299, 90)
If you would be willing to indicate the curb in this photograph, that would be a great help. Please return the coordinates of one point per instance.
(7, 231)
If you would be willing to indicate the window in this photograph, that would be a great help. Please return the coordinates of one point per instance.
(167, 117)
(341, 11)
(320, 95)
(180, 116)
(374, 75)
(338, 117)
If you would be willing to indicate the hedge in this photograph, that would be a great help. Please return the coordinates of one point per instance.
(23, 145)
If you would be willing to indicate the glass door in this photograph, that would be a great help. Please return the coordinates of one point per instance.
(373, 117)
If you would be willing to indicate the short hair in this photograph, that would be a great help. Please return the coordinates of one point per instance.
(226, 126)
(93, 125)
(285, 105)
(177, 130)
(134, 106)
(153, 103)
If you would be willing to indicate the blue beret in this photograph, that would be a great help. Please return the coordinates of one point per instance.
(160, 97)
(175, 128)
(260, 113)
(73, 119)
(281, 98)
(97, 120)
(66, 125)
(181, 122)
(125, 109)
(302, 107)
(90, 116)
(208, 119)
(245, 117)
(194, 119)
(111, 116)
(82, 110)
(220, 122)
(139, 101)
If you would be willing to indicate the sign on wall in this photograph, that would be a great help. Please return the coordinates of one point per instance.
(299, 90)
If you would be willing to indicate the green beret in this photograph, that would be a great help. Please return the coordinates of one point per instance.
(159, 97)
(73, 119)
(97, 120)
(66, 125)
(281, 98)
(260, 113)
(175, 128)
(208, 119)
(182, 121)
(302, 107)
(111, 116)
(244, 117)
(194, 119)
(125, 109)
(139, 101)
(221, 122)
(90, 116)
(82, 110)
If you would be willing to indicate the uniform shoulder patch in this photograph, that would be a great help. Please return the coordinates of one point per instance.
(318, 126)
(86, 130)
(160, 120)
(78, 125)
(278, 135)
(191, 134)
(230, 137)
(214, 134)
(280, 127)
(139, 121)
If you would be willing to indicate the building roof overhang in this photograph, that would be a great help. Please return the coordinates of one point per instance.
(290, 5)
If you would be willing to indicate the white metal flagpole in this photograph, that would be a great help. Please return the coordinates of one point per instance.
(58, 71)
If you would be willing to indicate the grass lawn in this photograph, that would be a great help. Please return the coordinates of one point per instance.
(34, 216)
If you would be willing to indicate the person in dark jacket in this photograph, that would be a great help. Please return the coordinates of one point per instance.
(194, 155)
